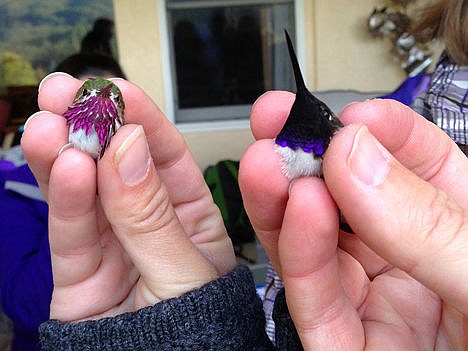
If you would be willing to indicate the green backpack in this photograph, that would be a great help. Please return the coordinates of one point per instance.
(222, 181)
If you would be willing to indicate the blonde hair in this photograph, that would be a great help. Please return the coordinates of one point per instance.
(447, 20)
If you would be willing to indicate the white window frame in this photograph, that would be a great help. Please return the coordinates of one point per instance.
(226, 124)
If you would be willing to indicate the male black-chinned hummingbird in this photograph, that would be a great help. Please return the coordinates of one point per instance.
(307, 131)
(95, 115)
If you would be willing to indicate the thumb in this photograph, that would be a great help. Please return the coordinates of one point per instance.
(404, 219)
(138, 207)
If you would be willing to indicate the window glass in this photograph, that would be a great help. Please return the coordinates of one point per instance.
(227, 53)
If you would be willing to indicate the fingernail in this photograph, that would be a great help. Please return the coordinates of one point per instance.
(33, 116)
(65, 147)
(258, 99)
(49, 76)
(368, 160)
(133, 158)
(351, 104)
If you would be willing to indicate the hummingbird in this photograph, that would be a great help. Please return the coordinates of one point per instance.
(307, 131)
(95, 115)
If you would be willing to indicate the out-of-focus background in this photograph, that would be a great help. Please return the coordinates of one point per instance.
(204, 62)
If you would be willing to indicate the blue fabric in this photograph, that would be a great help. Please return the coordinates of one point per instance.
(409, 90)
(25, 269)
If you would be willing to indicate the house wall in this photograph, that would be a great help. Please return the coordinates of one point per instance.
(337, 53)
(137, 27)
(341, 54)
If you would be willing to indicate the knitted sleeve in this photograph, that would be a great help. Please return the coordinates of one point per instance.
(225, 314)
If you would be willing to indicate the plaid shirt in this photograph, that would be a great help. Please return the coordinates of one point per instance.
(446, 100)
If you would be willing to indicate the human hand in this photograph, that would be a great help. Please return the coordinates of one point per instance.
(152, 232)
(400, 282)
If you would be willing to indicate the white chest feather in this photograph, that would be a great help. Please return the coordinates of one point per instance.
(87, 143)
(299, 163)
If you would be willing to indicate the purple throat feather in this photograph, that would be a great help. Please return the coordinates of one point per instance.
(94, 117)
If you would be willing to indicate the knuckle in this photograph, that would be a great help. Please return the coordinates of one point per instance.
(152, 211)
(443, 221)
(306, 323)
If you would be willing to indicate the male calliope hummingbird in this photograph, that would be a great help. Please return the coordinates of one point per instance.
(95, 115)
(307, 131)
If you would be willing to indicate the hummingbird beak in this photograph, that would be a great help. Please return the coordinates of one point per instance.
(300, 84)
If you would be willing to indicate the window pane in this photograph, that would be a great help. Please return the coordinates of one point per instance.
(226, 56)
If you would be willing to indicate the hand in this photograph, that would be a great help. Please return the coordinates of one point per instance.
(151, 233)
(400, 282)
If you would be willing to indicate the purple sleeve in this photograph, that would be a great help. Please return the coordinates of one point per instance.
(25, 268)
(410, 89)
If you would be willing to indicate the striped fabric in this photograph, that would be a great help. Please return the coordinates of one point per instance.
(273, 285)
(446, 101)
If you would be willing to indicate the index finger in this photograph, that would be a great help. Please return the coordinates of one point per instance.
(57, 91)
(168, 148)
(418, 144)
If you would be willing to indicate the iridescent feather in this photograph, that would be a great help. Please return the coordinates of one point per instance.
(95, 115)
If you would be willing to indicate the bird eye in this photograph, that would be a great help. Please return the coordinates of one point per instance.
(85, 92)
(324, 112)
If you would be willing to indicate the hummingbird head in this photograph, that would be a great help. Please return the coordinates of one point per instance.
(98, 108)
(106, 92)
(308, 129)
(100, 88)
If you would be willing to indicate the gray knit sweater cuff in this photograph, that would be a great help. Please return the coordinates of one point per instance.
(225, 314)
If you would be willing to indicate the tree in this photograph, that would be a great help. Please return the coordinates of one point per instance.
(16, 71)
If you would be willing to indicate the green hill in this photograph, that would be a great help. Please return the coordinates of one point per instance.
(45, 32)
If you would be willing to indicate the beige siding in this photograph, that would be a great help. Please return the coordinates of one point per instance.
(139, 44)
(339, 54)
